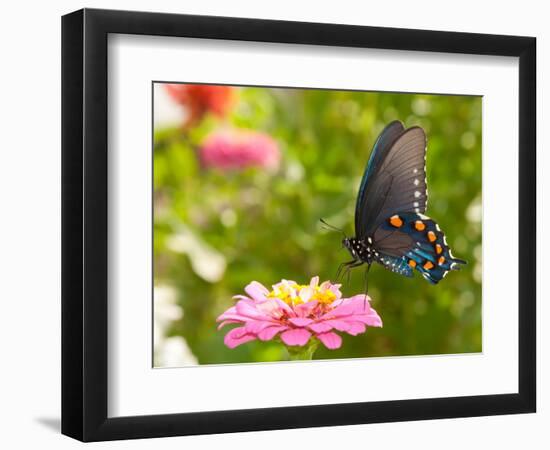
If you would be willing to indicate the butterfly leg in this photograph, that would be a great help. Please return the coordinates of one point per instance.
(366, 286)
(349, 266)
(341, 267)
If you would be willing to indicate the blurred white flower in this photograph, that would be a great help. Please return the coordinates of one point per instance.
(421, 106)
(169, 351)
(174, 352)
(166, 310)
(206, 262)
(165, 302)
(228, 218)
(166, 111)
(468, 140)
(295, 171)
(474, 212)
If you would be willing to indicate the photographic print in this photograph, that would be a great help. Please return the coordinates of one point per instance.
(300, 224)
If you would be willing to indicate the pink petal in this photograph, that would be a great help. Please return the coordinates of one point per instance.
(231, 316)
(285, 307)
(305, 309)
(257, 291)
(227, 322)
(270, 332)
(358, 304)
(330, 340)
(327, 285)
(340, 325)
(271, 308)
(314, 282)
(356, 328)
(286, 286)
(255, 326)
(300, 321)
(374, 319)
(284, 283)
(244, 298)
(361, 303)
(229, 312)
(249, 311)
(296, 336)
(320, 327)
(237, 336)
(334, 288)
(306, 293)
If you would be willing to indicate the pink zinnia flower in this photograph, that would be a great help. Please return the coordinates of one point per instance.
(200, 99)
(237, 149)
(297, 313)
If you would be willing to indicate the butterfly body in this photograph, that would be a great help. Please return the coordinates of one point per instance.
(390, 225)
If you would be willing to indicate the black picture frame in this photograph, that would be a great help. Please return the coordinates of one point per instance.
(84, 224)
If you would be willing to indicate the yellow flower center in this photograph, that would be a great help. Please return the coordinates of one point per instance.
(325, 297)
(290, 294)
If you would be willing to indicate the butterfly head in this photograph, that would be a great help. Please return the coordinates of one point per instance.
(359, 249)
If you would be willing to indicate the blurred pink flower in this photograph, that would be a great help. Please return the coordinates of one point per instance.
(297, 313)
(200, 99)
(237, 149)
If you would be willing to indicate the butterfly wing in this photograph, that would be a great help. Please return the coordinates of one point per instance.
(395, 179)
(396, 264)
(416, 241)
(381, 148)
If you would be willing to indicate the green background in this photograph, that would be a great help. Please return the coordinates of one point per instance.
(264, 226)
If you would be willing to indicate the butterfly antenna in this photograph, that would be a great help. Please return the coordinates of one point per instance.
(332, 227)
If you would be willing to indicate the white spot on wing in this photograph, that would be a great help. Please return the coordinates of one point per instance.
(416, 194)
(416, 182)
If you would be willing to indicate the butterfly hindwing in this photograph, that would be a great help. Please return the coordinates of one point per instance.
(414, 240)
(396, 264)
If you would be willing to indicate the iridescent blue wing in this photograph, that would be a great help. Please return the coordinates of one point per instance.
(396, 264)
(364, 203)
(416, 241)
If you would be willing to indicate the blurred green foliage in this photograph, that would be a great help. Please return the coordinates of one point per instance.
(214, 231)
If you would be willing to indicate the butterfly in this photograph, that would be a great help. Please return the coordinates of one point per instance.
(390, 226)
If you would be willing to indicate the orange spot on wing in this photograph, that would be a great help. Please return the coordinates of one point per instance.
(419, 225)
(412, 263)
(396, 221)
(441, 260)
(438, 249)
(431, 236)
(428, 265)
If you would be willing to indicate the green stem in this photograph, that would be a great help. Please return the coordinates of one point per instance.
(305, 353)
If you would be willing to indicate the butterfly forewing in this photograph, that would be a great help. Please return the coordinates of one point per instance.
(364, 204)
(396, 183)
